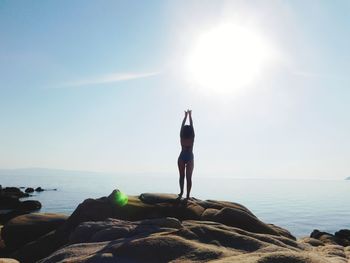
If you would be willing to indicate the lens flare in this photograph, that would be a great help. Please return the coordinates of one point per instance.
(120, 198)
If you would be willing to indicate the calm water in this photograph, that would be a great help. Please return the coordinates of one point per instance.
(299, 206)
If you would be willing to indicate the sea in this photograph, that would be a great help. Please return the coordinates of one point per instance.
(297, 205)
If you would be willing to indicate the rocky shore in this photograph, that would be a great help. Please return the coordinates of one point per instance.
(12, 203)
(160, 228)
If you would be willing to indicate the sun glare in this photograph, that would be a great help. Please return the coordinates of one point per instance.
(227, 58)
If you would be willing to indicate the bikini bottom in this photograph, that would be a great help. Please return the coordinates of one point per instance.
(186, 156)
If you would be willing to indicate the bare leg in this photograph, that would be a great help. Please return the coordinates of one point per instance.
(181, 165)
(189, 170)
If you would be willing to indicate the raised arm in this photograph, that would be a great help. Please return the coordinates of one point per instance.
(183, 122)
(190, 117)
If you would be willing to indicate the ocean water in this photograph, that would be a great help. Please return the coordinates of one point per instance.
(297, 205)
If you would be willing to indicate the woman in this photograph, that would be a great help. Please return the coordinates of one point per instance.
(185, 160)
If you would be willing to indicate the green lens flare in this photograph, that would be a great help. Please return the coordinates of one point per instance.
(120, 198)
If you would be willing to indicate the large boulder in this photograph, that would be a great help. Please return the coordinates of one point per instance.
(21, 208)
(14, 191)
(26, 228)
(29, 205)
(169, 240)
(9, 202)
(153, 214)
(161, 205)
(162, 228)
(343, 233)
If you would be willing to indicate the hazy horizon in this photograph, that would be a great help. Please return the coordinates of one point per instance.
(103, 87)
(47, 172)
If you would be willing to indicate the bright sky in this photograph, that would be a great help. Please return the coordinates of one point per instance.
(86, 85)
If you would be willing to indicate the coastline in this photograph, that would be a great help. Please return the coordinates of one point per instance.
(299, 206)
(194, 231)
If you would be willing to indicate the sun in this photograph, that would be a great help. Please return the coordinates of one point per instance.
(227, 58)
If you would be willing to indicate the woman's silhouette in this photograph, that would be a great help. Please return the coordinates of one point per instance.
(185, 160)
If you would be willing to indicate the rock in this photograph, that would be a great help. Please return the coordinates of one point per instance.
(8, 260)
(312, 241)
(4, 218)
(327, 238)
(21, 208)
(112, 229)
(222, 204)
(281, 231)
(243, 220)
(13, 191)
(192, 211)
(209, 213)
(190, 241)
(39, 189)
(159, 228)
(40, 248)
(9, 202)
(29, 227)
(343, 233)
(29, 205)
(317, 234)
(164, 206)
(151, 198)
(29, 190)
(146, 207)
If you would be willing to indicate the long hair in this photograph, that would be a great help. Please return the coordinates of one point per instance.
(187, 132)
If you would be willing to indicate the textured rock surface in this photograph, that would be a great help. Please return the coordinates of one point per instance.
(166, 205)
(341, 237)
(8, 260)
(169, 240)
(160, 228)
(25, 228)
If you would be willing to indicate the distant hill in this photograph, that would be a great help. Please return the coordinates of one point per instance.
(347, 178)
(44, 171)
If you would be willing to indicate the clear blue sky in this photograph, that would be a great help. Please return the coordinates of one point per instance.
(100, 86)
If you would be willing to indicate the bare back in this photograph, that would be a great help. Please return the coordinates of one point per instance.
(187, 144)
